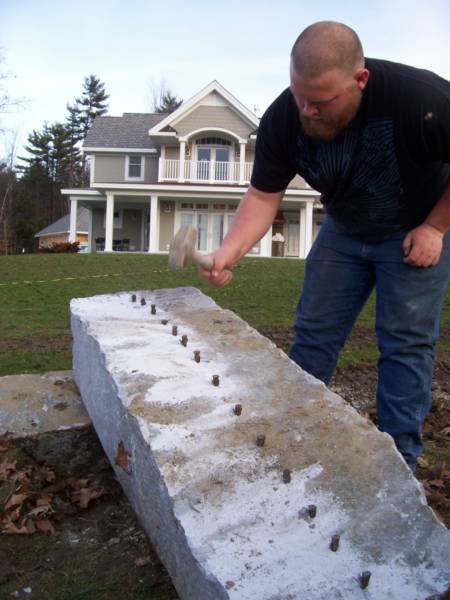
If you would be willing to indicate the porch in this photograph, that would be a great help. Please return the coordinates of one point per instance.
(204, 171)
(146, 222)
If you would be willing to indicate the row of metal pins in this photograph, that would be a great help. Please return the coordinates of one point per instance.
(184, 338)
(143, 303)
(364, 577)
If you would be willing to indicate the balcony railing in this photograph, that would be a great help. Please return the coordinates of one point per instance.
(204, 171)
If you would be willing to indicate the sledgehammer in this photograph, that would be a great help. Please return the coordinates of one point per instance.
(182, 250)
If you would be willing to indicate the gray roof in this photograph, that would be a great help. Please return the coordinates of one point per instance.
(63, 225)
(128, 131)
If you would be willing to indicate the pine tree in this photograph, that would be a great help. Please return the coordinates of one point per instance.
(93, 103)
(53, 164)
(168, 103)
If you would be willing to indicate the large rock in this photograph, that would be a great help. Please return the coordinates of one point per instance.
(228, 517)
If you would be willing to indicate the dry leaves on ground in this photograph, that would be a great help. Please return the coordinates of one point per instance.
(31, 496)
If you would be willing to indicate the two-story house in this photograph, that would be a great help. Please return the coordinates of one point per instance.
(151, 173)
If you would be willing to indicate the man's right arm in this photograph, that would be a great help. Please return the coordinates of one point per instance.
(252, 220)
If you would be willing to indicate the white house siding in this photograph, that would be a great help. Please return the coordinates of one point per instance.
(213, 117)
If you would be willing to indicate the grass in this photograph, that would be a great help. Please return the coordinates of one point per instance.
(35, 292)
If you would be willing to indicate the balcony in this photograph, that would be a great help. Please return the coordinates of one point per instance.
(204, 171)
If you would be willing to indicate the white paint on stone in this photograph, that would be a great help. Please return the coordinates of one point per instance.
(214, 504)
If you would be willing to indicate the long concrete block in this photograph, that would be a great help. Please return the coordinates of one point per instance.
(266, 486)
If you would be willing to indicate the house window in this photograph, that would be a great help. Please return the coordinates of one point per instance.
(117, 221)
(211, 227)
(134, 168)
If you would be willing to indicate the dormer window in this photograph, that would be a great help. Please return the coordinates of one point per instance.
(134, 168)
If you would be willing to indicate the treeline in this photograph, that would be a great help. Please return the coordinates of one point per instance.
(30, 193)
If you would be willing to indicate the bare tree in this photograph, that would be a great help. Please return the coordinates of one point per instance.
(162, 100)
(7, 183)
(7, 102)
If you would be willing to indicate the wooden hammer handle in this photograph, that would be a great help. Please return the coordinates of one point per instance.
(203, 260)
(206, 261)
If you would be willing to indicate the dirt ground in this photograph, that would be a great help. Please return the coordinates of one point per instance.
(76, 538)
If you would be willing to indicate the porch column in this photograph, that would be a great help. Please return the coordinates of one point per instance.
(266, 244)
(73, 220)
(242, 162)
(302, 233)
(162, 164)
(90, 231)
(153, 242)
(308, 227)
(109, 222)
(181, 165)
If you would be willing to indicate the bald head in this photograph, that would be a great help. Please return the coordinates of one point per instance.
(325, 46)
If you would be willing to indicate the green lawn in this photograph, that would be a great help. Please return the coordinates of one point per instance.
(35, 291)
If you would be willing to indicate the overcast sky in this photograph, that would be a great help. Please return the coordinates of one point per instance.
(49, 46)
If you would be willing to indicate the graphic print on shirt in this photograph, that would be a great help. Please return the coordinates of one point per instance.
(358, 176)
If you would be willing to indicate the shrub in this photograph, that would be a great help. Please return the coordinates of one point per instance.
(61, 247)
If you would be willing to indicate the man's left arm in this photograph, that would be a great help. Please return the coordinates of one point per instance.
(423, 245)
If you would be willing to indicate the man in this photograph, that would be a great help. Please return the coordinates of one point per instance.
(374, 138)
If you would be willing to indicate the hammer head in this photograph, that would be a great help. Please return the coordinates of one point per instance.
(182, 247)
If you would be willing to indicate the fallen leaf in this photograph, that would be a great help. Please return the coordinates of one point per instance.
(11, 529)
(39, 512)
(15, 500)
(23, 478)
(48, 474)
(142, 561)
(437, 483)
(14, 515)
(122, 458)
(422, 462)
(78, 484)
(5, 468)
(86, 495)
(44, 500)
(113, 541)
(445, 431)
(30, 526)
(45, 526)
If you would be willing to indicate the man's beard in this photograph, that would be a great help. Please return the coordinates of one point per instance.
(329, 128)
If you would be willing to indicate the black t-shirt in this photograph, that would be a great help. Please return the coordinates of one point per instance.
(386, 170)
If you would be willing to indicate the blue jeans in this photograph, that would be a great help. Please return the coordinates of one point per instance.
(341, 272)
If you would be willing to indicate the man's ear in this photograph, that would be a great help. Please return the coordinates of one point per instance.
(361, 78)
